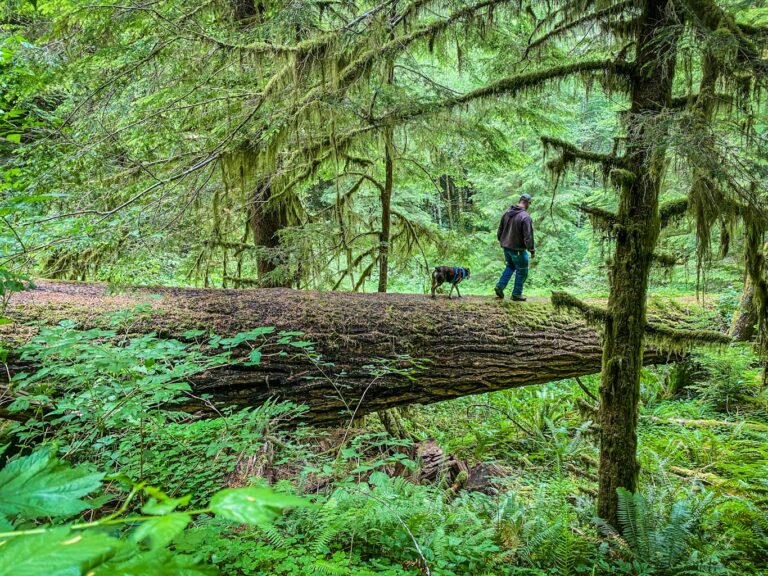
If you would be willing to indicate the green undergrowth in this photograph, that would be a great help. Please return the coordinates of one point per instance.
(354, 500)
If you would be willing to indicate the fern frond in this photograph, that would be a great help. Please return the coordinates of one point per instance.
(325, 567)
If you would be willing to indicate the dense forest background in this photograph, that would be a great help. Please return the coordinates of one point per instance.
(353, 146)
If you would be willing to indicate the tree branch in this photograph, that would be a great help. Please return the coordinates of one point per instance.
(714, 18)
(672, 211)
(587, 19)
(590, 312)
(570, 153)
(686, 100)
(603, 220)
(664, 260)
(677, 340)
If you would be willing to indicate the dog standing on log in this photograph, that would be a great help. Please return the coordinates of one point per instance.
(453, 274)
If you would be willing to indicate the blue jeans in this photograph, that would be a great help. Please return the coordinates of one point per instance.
(517, 264)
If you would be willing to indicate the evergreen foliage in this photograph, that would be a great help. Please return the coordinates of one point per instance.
(354, 145)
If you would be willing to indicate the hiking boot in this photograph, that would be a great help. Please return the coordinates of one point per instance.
(499, 292)
(519, 298)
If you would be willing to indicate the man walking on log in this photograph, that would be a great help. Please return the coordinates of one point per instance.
(516, 238)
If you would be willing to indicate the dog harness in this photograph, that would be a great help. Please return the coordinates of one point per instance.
(458, 274)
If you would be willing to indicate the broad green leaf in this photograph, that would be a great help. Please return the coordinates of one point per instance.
(241, 337)
(13, 138)
(252, 505)
(38, 486)
(255, 356)
(58, 552)
(160, 531)
(190, 334)
(159, 562)
(164, 505)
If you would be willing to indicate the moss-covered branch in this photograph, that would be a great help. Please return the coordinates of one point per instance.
(714, 18)
(604, 217)
(563, 300)
(687, 100)
(597, 16)
(662, 337)
(398, 45)
(570, 153)
(514, 85)
(602, 220)
(664, 260)
(672, 211)
(507, 86)
(675, 340)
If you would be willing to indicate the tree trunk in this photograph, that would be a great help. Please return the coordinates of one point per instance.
(267, 219)
(638, 232)
(372, 351)
(386, 212)
(745, 318)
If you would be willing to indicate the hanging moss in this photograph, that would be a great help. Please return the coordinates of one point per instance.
(363, 63)
(713, 17)
(679, 341)
(672, 211)
(573, 153)
(535, 80)
(624, 29)
(602, 220)
(664, 260)
(563, 300)
(620, 177)
(571, 25)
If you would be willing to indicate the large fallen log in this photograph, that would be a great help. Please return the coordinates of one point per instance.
(366, 342)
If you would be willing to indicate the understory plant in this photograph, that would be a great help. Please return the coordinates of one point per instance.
(48, 528)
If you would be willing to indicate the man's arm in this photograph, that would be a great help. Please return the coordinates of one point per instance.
(528, 235)
(501, 227)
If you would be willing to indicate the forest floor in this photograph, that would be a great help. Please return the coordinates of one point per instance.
(703, 449)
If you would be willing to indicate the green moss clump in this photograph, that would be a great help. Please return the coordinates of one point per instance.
(591, 313)
(673, 211)
(677, 341)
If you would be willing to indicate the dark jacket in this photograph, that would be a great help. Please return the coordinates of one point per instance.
(516, 230)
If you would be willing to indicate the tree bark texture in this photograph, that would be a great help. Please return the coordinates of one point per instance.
(267, 219)
(638, 215)
(364, 343)
(745, 318)
(386, 212)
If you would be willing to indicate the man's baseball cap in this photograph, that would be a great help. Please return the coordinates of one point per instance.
(526, 197)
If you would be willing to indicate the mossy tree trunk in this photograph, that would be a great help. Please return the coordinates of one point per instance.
(638, 231)
(391, 419)
(268, 217)
(745, 318)
(386, 212)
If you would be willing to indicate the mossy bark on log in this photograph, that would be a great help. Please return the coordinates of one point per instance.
(365, 341)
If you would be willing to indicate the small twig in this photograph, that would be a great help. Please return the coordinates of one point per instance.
(586, 390)
(508, 415)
